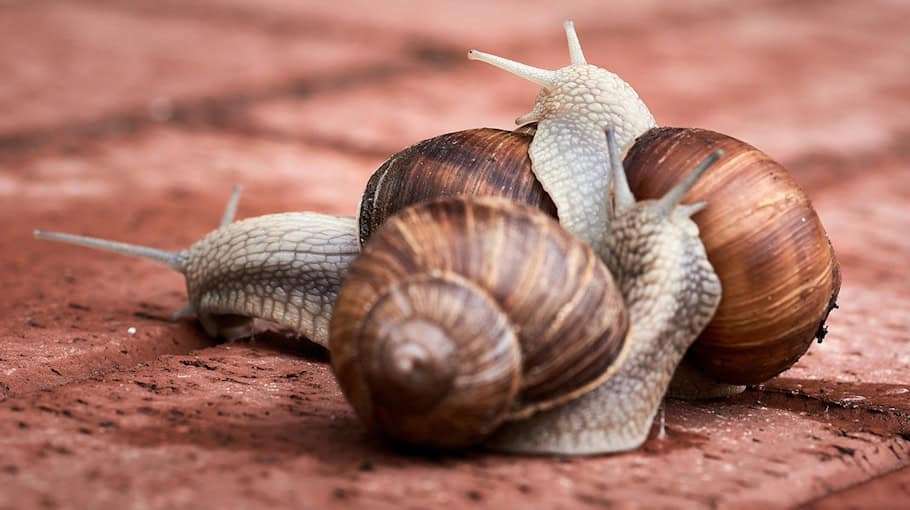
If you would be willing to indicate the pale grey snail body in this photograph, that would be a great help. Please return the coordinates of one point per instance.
(671, 291)
(284, 268)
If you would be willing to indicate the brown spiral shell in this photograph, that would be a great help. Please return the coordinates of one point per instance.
(461, 313)
(778, 271)
(476, 162)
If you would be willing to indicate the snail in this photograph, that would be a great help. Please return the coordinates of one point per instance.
(467, 317)
(285, 268)
(766, 242)
(459, 314)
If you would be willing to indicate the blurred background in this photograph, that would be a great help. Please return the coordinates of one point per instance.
(361, 79)
(132, 119)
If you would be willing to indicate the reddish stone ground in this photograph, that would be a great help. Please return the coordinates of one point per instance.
(132, 119)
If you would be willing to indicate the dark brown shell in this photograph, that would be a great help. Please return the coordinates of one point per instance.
(461, 313)
(476, 162)
(776, 266)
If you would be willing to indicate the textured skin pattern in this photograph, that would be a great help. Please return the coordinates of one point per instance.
(569, 152)
(672, 292)
(285, 268)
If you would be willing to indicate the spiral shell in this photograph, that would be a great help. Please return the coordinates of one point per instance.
(476, 162)
(778, 270)
(460, 314)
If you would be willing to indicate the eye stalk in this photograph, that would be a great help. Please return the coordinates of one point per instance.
(621, 195)
(576, 56)
(672, 199)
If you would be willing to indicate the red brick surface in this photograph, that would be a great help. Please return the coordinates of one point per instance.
(132, 119)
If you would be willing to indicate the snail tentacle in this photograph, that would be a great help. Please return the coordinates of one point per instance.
(576, 55)
(230, 210)
(174, 260)
(543, 77)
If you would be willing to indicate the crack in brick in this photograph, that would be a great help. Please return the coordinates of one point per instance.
(226, 112)
(835, 495)
(242, 17)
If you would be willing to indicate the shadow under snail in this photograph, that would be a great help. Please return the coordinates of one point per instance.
(759, 230)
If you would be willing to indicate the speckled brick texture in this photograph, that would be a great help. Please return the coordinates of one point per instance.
(132, 119)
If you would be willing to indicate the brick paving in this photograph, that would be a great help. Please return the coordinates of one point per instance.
(132, 120)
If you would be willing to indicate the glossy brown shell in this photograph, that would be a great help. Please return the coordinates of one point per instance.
(476, 162)
(462, 313)
(777, 268)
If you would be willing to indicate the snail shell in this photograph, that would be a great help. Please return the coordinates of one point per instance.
(766, 243)
(475, 162)
(460, 314)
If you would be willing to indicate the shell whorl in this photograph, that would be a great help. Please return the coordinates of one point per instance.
(438, 353)
(527, 313)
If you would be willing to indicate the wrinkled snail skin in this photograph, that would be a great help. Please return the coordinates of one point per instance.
(284, 268)
(569, 154)
(671, 292)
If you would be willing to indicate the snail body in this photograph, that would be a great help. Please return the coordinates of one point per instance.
(546, 283)
(569, 155)
(284, 268)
